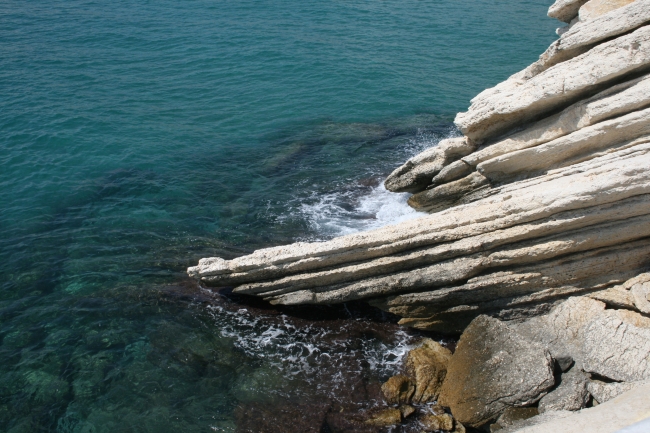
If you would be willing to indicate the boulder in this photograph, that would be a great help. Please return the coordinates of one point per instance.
(385, 418)
(427, 364)
(640, 292)
(617, 346)
(398, 390)
(561, 331)
(494, 368)
(543, 418)
(571, 394)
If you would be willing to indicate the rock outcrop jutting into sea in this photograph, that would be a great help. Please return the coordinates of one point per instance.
(546, 196)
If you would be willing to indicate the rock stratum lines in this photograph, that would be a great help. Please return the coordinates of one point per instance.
(545, 196)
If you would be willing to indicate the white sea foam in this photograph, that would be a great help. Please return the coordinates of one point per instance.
(346, 212)
(332, 215)
(303, 351)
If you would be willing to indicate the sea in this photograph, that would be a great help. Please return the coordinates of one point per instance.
(138, 136)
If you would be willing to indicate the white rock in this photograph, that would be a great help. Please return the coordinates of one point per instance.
(622, 411)
(565, 10)
(613, 102)
(555, 88)
(631, 129)
(595, 8)
(578, 37)
(602, 391)
(617, 346)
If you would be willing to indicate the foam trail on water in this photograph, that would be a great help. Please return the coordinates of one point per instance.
(346, 211)
(333, 214)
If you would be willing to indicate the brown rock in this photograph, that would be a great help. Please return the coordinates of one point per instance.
(492, 369)
(385, 418)
(432, 422)
(398, 390)
(406, 410)
(427, 364)
(458, 427)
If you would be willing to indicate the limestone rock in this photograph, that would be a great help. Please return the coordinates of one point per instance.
(622, 411)
(595, 8)
(417, 172)
(602, 391)
(580, 37)
(493, 113)
(565, 10)
(554, 204)
(613, 102)
(640, 292)
(398, 390)
(617, 346)
(427, 364)
(565, 150)
(494, 368)
(561, 330)
(570, 395)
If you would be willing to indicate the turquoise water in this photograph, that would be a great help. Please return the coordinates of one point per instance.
(139, 136)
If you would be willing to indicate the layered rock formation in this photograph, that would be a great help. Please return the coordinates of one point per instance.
(545, 196)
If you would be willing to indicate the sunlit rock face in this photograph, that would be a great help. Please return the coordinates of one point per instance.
(545, 196)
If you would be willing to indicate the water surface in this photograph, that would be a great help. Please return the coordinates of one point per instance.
(139, 136)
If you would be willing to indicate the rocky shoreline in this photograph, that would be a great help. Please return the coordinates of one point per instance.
(535, 247)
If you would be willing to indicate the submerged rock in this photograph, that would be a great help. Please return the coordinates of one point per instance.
(385, 418)
(494, 368)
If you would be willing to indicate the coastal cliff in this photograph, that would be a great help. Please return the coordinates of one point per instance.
(546, 196)
(536, 243)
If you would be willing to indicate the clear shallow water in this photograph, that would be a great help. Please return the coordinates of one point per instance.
(137, 137)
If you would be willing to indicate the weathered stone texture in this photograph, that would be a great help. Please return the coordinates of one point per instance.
(493, 368)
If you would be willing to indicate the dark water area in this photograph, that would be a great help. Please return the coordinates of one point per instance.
(137, 137)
